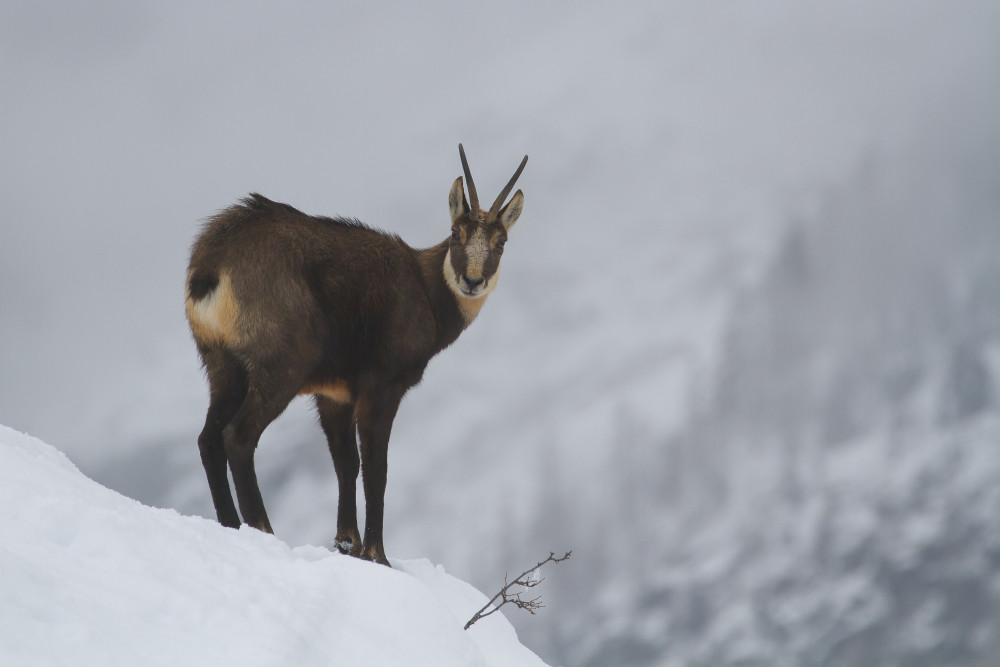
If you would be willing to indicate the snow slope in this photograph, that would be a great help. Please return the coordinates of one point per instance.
(92, 577)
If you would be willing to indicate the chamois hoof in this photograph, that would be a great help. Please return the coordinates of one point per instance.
(345, 545)
(375, 555)
(348, 542)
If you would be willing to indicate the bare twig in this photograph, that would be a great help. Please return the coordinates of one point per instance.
(505, 596)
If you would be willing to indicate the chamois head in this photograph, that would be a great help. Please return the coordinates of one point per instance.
(477, 236)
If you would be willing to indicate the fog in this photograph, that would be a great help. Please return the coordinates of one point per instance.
(673, 146)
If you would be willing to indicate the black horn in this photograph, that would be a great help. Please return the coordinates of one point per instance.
(495, 209)
(473, 197)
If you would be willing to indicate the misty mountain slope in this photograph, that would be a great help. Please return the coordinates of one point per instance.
(834, 497)
(92, 577)
(901, 568)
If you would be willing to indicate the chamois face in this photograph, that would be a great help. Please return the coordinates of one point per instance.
(476, 245)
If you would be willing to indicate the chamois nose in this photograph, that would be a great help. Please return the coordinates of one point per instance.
(473, 283)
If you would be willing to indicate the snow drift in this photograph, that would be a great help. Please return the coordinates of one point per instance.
(92, 577)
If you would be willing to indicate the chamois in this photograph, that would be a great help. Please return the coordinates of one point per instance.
(283, 304)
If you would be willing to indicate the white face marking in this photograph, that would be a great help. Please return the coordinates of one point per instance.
(476, 252)
(469, 304)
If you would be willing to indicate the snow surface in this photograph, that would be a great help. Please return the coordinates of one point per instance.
(91, 577)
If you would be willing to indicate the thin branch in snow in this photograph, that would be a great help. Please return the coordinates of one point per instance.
(510, 595)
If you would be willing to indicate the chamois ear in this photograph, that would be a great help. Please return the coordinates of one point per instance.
(457, 203)
(512, 211)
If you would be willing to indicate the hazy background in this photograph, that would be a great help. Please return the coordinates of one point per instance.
(744, 358)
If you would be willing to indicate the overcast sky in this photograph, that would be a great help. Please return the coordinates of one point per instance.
(124, 124)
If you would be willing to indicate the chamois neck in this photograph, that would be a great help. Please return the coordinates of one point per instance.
(468, 306)
(451, 307)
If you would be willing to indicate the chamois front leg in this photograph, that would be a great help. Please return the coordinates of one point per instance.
(337, 420)
(375, 417)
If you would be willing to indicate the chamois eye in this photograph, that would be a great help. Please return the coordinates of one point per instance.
(455, 235)
(501, 243)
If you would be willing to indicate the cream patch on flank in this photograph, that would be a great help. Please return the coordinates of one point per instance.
(213, 318)
(337, 391)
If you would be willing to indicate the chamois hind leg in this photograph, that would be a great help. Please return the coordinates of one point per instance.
(227, 388)
(270, 388)
(338, 424)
